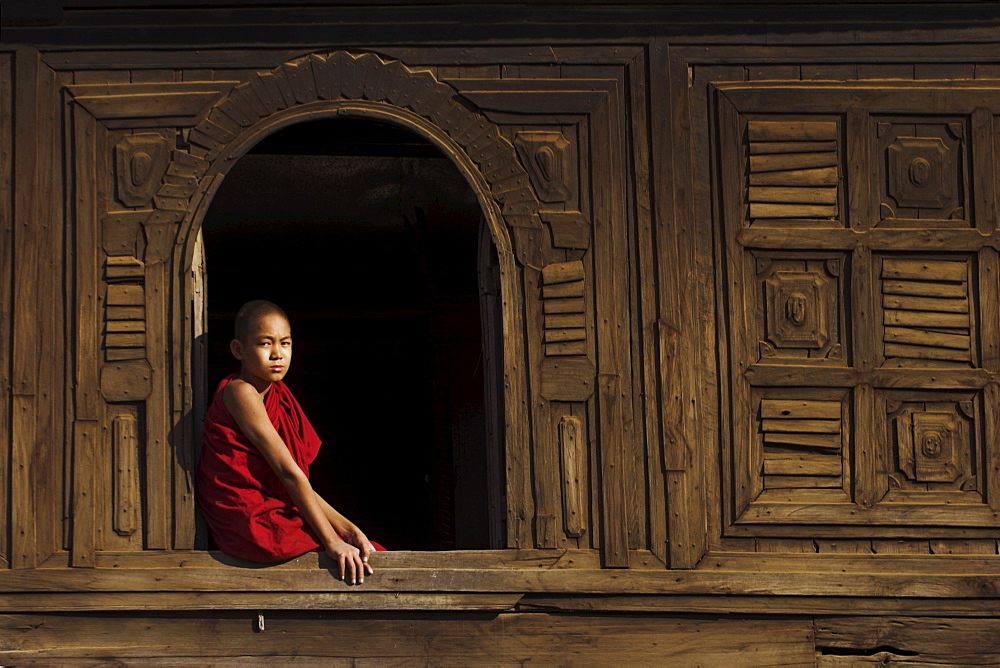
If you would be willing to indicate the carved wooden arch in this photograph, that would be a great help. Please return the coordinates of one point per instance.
(343, 84)
(364, 85)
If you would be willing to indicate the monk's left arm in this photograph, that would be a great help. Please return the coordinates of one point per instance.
(345, 528)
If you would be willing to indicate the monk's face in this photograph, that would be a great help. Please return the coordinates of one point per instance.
(266, 352)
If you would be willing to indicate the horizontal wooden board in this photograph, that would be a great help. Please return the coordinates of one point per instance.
(921, 337)
(791, 408)
(555, 335)
(793, 195)
(925, 289)
(572, 289)
(791, 131)
(926, 319)
(804, 441)
(565, 320)
(130, 340)
(566, 348)
(765, 147)
(925, 304)
(923, 352)
(813, 465)
(760, 210)
(562, 272)
(510, 639)
(930, 270)
(792, 161)
(125, 312)
(802, 482)
(805, 426)
(825, 176)
(126, 295)
(125, 326)
(568, 305)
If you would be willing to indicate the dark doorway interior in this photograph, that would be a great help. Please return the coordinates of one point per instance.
(369, 237)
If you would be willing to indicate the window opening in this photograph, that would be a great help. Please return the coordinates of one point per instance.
(373, 242)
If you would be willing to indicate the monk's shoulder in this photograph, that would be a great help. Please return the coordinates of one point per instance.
(239, 393)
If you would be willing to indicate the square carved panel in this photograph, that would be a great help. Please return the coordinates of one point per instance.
(801, 308)
(923, 174)
(801, 442)
(932, 444)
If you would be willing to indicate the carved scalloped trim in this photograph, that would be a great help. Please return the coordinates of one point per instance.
(344, 76)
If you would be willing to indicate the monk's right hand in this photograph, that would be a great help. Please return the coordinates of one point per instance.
(352, 567)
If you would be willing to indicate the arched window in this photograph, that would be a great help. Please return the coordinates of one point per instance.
(371, 239)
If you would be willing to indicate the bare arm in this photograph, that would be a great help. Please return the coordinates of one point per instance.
(347, 530)
(245, 405)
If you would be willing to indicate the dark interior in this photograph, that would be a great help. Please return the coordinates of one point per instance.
(368, 236)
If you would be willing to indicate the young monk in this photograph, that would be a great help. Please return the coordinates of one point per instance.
(253, 479)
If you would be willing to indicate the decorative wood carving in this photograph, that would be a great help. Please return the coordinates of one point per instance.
(926, 312)
(934, 445)
(572, 449)
(925, 176)
(344, 76)
(546, 156)
(802, 308)
(563, 305)
(141, 162)
(125, 457)
(908, 379)
(793, 169)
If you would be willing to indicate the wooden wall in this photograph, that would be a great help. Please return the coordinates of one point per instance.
(751, 330)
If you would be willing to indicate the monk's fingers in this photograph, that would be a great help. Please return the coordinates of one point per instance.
(342, 558)
(360, 567)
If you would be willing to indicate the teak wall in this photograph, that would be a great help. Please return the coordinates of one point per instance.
(750, 294)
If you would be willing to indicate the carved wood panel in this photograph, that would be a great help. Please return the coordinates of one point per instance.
(860, 388)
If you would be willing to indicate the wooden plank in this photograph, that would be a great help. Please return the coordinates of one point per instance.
(792, 161)
(926, 305)
(989, 308)
(789, 195)
(158, 465)
(761, 148)
(926, 353)
(925, 270)
(925, 289)
(790, 408)
(802, 426)
(926, 319)
(565, 321)
(791, 131)
(868, 481)
(562, 272)
(991, 434)
(984, 171)
(823, 176)
(926, 338)
(799, 465)
(760, 210)
(573, 457)
(85, 444)
(574, 289)
(566, 348)
(924, 640)
(806, 441)
(557, 335)
(803, 482)
(569, 305)
(6, 284)
(507, 639)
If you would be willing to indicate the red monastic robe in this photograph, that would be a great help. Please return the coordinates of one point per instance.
(247, 508)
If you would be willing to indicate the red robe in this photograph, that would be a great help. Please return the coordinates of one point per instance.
(247, 508)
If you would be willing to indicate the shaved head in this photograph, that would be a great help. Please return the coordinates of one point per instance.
(250, 312)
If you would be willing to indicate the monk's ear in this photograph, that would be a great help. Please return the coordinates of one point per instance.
(236, 347)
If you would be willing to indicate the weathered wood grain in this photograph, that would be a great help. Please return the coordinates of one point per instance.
(7, 226)
(957, 641)
(509, 639)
